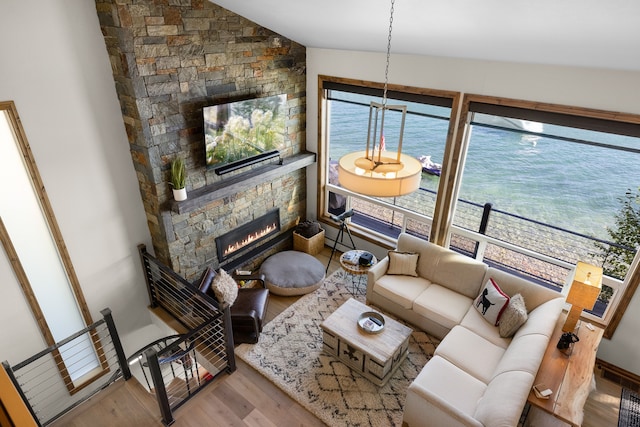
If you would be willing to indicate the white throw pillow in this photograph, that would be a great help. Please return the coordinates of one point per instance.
(404, 263)
(513, 317)
(491, 302)
(224, 288)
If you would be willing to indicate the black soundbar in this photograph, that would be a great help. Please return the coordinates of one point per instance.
(230, 167)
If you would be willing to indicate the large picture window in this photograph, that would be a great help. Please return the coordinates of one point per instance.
(427, 127)
(550, 185)
(530, 188)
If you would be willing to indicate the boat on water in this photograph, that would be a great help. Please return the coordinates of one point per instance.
(429, 166)
(509, 123)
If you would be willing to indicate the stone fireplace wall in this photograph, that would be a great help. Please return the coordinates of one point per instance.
(169, 59)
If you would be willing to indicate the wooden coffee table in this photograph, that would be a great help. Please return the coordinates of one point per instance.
(375, 356)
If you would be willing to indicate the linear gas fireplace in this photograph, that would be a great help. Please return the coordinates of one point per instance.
(247, 235)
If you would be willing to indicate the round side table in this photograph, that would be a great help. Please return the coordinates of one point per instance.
(356, 271)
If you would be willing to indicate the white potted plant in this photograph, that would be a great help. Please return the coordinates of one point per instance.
(178, 179)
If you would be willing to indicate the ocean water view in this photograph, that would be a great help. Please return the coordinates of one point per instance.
(562, 183)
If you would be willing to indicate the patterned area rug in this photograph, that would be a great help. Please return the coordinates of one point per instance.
(629, 409)
(289, 354)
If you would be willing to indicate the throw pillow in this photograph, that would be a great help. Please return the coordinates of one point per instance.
(514, 316)
(491, 302)
(404, 263)
(225, 288)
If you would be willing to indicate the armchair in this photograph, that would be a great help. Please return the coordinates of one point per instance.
(248, 310)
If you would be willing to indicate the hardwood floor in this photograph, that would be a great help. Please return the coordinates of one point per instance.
(246, 398)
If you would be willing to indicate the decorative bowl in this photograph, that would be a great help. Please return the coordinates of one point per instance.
(371, 322)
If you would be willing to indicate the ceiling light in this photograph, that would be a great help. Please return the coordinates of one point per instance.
(374, 172)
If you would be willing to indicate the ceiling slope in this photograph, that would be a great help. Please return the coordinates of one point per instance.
(584, 33)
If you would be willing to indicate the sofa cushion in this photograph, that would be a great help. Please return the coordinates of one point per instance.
(449, 384)
(402, 290)
(543, 319)
(471, 353)
(513, 317)
(476, 323)
(533, 294)
(442, 305)
(429, 253)
(491, 302)
(524, 354)
(404, 263)
(460, 273)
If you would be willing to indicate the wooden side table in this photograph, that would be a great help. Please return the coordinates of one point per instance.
(356, 271)
(568, 375)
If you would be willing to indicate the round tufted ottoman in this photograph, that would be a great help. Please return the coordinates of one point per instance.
(291, 273)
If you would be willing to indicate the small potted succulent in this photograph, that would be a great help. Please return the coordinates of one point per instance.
(178, 179)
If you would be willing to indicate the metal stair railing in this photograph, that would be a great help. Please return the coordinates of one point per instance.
(41, 385)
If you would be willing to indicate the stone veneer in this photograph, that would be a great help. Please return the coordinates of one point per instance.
(169, 59)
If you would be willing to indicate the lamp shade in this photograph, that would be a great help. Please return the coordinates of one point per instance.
(359, 174)
(584, 291)
(586, 285)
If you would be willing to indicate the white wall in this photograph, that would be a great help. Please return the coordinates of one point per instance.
(600, 89)
(56, 70)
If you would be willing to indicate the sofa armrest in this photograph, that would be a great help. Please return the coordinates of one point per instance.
(375, 273)
(423, 408)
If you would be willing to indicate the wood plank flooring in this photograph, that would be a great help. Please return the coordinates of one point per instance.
(247, 399)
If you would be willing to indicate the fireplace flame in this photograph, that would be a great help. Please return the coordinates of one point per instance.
(250, 238)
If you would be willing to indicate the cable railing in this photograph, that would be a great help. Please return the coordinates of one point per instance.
(541, 252)
(177, 367)
(174, 368)
(43, 388)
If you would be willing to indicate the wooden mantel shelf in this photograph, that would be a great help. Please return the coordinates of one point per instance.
(241, 182)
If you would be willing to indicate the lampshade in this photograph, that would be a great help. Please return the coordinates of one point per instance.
(584, 291)
(383, 181)
(374, 172)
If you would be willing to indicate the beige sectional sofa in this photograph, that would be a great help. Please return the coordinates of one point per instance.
(476, 377)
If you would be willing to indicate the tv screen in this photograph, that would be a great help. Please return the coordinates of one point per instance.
(243, 129)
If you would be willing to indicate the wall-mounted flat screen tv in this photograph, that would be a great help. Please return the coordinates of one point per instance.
(242, 130)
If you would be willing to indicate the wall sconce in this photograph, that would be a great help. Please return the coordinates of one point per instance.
(584, 291)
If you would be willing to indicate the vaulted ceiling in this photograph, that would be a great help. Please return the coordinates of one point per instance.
(584, 33)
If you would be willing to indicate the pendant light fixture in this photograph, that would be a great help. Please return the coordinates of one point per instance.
(373, 172)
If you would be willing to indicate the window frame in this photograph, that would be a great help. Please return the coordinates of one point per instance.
(73, 386)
